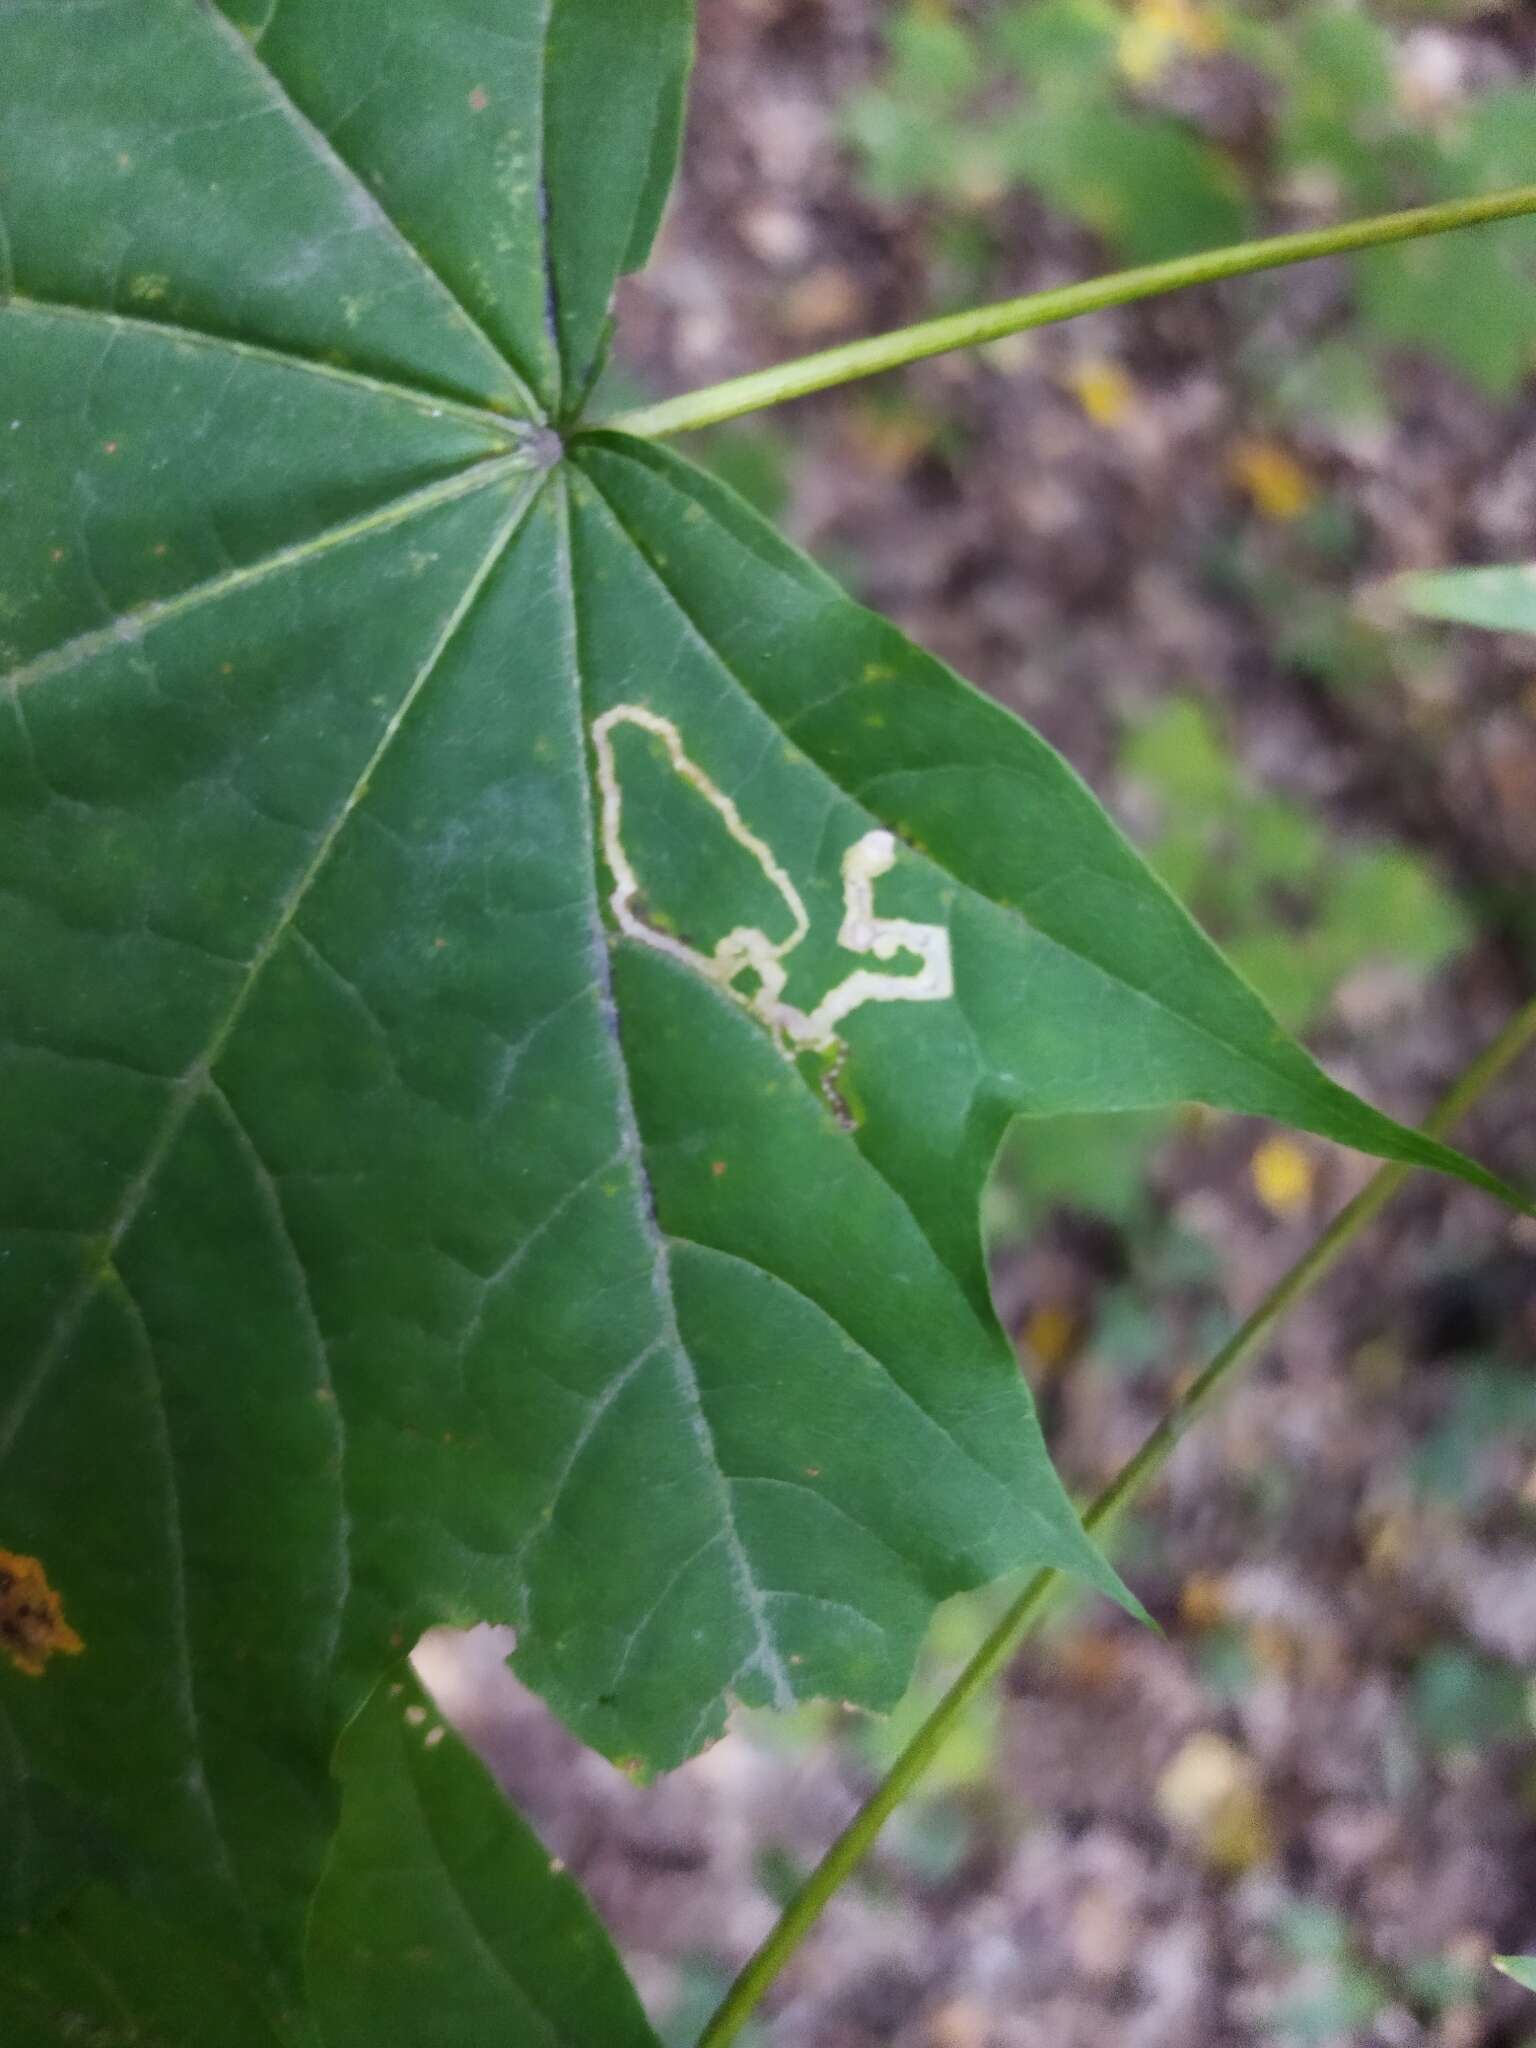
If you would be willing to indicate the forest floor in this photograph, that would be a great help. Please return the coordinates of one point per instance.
(1306, 1812)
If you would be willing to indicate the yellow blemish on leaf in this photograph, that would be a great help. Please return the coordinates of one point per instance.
(1103, 390)
(148, 286)
(1282, 1176)
(1276, 482)
(32, 1624)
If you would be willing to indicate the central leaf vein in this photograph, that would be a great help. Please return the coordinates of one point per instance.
(766, 1656)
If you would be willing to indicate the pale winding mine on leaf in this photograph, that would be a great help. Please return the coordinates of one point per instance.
(749, 950)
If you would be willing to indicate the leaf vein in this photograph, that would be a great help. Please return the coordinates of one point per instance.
(186, 1687)
(175, 335)
(132, 627)
(270, 1195)
(767, 1654)
(1011, 1505)
(324, 150)
(185, 1091)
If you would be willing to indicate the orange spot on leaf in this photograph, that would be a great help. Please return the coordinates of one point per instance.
(479, 100)
(32, 1624)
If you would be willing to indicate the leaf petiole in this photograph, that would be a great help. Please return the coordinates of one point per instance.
(867, 358)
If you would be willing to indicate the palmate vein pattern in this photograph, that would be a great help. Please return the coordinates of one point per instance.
(438, 867)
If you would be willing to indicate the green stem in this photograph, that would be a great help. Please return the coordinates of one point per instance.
(1011, 316)
(854, 1843)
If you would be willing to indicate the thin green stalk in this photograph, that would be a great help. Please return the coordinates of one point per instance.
(854, 1843)
(1011, 316)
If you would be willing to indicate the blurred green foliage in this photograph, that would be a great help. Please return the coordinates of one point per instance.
(1296, 907)
(1462, 1701)
(1491, 1408)
(1034, 97)
(1333, 1993)
(701, 1986)
(1503, 600)
(1336, 1993)
(1083, 102)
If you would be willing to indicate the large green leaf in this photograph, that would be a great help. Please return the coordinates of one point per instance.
(105, 1972)
(441, 1918)
(512, 984)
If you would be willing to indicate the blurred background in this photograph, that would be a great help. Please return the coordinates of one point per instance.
(1305, 1814)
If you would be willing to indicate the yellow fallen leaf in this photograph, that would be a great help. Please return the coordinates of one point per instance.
(1160, 30)
(1272, 1646)
(1050, 1332)
(1272, 477)
(1203, 1601)
(1282, 1176)
(1103, 390)
(1211, 1792)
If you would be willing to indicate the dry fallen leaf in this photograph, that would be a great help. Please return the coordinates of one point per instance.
(1211, 1792)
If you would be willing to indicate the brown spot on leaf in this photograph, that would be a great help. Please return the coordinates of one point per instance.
(32, 1624)
(479, 100)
